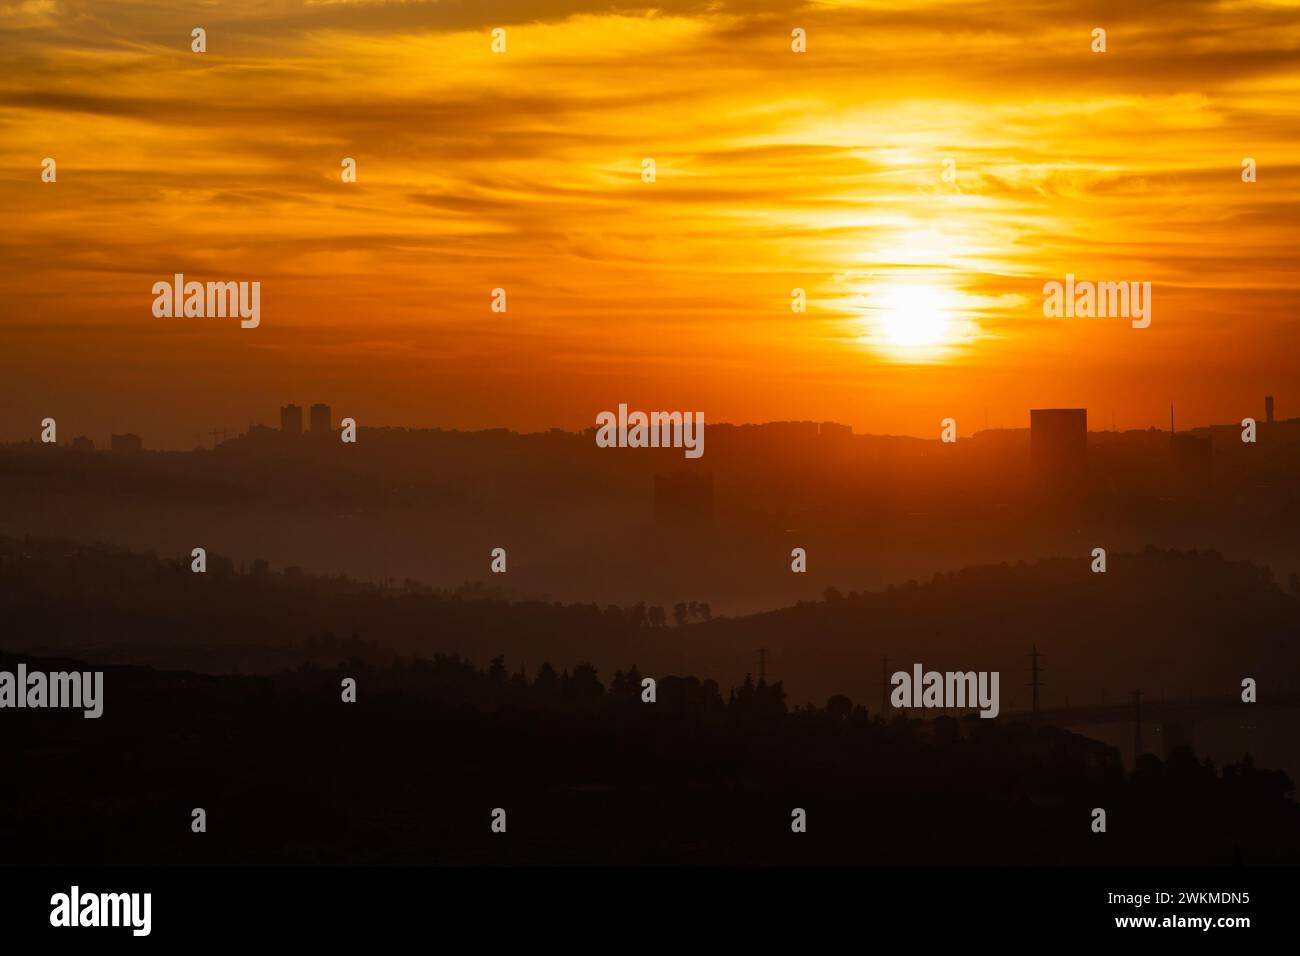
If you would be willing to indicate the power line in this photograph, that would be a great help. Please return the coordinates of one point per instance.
(1137, 726)
(1034, 681)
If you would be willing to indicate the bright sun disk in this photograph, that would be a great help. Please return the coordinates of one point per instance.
(911, 316)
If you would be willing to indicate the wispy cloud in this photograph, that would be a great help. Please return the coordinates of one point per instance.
(522, 170)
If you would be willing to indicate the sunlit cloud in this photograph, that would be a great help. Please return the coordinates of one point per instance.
(822, 171)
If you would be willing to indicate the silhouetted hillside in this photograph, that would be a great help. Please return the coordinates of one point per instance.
(585, 523)
(411, 772)
(1176, 624)
(1171, 623)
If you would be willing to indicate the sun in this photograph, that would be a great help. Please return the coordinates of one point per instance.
(913, 317)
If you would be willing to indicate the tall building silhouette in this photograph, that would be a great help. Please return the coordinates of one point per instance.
(291, 420)
(1193, 457)
(1268, 409)
(683, 501)
(320, 419)
(1058, 445)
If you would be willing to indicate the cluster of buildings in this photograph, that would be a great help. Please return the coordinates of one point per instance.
(127, 442)
(1058, 446)
(291, 419)
(1058, 455)
(291, 422)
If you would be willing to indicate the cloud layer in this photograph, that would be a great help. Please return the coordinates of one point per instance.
(522, 170)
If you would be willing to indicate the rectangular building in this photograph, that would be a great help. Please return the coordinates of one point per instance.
(683, 500)
(320, 419)
(291, 420)
(1193, 457)
(1058, 445)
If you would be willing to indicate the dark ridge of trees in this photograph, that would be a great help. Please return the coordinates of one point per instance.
(1176, 624)
(288, 773)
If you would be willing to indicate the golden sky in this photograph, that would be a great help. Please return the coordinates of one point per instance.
(522, 170)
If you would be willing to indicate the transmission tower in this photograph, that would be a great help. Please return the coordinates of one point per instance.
(1034, 681)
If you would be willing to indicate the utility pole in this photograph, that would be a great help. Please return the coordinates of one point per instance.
(1034, 682)
(1137, 726)
(762, 665)
(884, 686)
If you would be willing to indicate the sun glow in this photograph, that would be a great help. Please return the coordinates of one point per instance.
(911, 321)
(913, 315)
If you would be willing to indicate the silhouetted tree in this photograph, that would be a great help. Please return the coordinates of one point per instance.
(636, 614)
(547, 683)
(583, 686)
(839, 707)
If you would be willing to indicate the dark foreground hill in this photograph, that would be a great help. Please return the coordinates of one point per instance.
(286, 771)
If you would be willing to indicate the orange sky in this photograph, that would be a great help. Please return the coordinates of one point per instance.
(522, 170)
